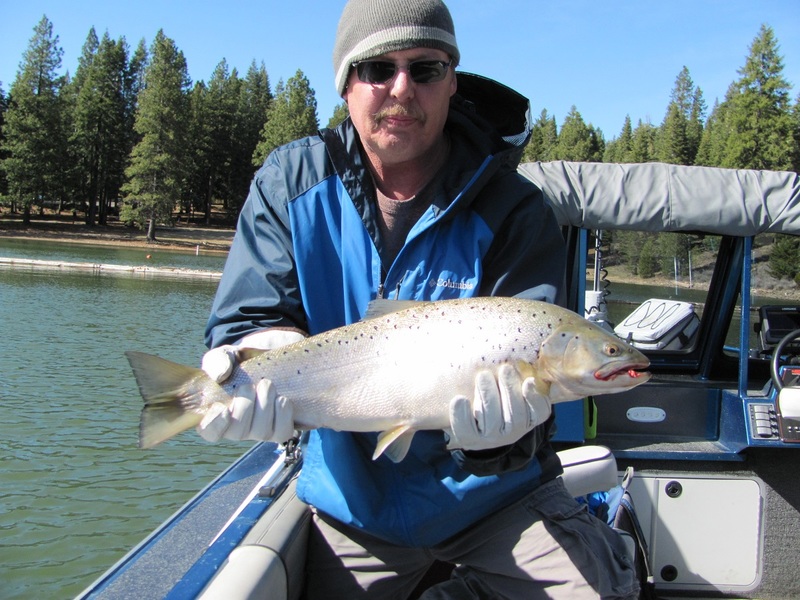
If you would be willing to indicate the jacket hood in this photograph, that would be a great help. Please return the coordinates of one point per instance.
(502, 114)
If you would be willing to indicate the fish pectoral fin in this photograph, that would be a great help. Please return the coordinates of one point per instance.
(525, 369)
(542, 384)
(394, 443)
(542, 387)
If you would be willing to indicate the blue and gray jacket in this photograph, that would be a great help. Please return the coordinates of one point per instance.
(307, 255)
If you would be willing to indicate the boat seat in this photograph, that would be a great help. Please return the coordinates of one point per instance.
(588, 469)
(272, 555)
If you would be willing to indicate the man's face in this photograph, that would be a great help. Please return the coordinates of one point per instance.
(400, 120)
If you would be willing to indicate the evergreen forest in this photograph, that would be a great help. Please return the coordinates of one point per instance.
(129, 137)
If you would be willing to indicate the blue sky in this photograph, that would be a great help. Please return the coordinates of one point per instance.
(608, 58)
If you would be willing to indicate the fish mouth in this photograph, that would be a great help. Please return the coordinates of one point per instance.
(630, 371)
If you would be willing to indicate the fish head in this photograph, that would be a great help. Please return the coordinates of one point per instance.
(581, 359)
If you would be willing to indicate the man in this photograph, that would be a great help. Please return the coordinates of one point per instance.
(414, 197)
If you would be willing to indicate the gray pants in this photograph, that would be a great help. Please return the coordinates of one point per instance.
(544, 546)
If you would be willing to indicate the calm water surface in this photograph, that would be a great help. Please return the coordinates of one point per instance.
(76, 252)
(76, 493)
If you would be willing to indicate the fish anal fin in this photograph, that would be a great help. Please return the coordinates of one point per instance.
(394, 443)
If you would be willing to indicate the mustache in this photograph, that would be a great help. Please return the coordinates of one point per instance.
(398, 110)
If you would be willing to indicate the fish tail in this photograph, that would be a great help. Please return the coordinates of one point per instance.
(172, 396)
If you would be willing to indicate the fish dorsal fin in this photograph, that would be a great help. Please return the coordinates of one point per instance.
(380, 307)
(243, 354)
(394, 443)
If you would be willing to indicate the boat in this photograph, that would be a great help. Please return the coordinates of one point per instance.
(708, 450)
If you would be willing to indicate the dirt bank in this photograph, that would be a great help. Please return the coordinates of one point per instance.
(60, 229)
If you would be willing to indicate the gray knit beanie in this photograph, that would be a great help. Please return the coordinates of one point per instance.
(369, 28)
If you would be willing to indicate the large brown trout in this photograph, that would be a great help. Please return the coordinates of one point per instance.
(396, 372)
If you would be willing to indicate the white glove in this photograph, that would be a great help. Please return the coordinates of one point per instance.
(501, 412)
(218, 363)
(256, 412)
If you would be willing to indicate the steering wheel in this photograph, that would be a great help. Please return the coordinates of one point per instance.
(775, 365)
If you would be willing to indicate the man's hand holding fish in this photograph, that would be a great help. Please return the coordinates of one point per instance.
(501, 411)
(256, 412)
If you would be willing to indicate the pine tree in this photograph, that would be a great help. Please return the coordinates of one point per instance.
(255, 96)
(98, 135)
(340, 113)
(672, 145)
(578, 141)
(643, 143)
(3, 108)
(758, 113)
(714, 139)
(678, 138)
(134, 84)
(784, 258)
(158, 161)
(696, 123)
(34, 131)
(544, 137)
(292, 115)
(619, 150)
(796, 136)
(197, 187)
(214, 146)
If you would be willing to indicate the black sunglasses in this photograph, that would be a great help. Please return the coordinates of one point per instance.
(420, 71)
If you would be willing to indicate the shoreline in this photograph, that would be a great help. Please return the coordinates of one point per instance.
(184, 238)
(217, 240)
(106, 269)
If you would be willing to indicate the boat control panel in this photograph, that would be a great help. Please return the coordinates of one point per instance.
(779, 331)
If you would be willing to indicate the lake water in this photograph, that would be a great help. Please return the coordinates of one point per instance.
(114, 255)
(76, 493)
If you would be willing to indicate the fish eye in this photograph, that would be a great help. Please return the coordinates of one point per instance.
(612, 349)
